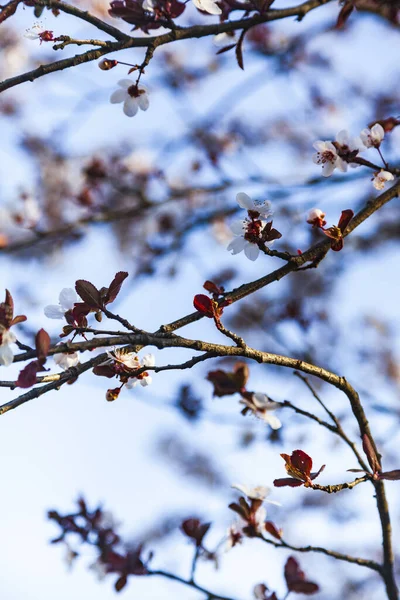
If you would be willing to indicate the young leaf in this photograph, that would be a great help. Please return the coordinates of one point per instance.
(89, 293)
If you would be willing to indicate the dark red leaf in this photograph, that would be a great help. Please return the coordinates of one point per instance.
(239, 50)
(195, 530)
(18, 319)
(225, 384)
(104, 371)
(121, 583)
(239, 510)
(301, 461)
(27, 377)
(273, 530)
(89, 293)
(42, 342)
(345, 219)
(204, 305)
(287, 481)
(296, 579)
(226, 48)
(304, 587)
(315, 475)
(213, 288)
(337, 245)
(390, 475)
(370, 454)
(115, 287)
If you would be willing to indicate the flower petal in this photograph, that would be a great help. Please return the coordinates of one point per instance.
(54, 311)
(131, 106)
(251, 251)
(144, 101)
(125, 83)
(244, 201)
(6, 355)
(67, 298)
(237, 245)
(118, 96)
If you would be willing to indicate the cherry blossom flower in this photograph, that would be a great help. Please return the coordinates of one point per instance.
(373, 137)
(208, 6)
(66, 360)
(347, 148)
(381, 179)
(66, 301)
(144, 378)
(261, 406)
(128, 360)
(234, 536)
(7, 338)
(326, 156)
(38, 32)
(263, 208)
(316, 218)
(258, 492)
(249, 232)
(133, 97)
(338, 154)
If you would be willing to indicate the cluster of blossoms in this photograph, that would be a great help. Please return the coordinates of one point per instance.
(208, 6)
(344, 151)
(253, 232)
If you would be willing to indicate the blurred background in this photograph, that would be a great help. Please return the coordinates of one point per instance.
(86, 192)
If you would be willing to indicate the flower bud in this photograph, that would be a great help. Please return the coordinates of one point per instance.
(106, 64)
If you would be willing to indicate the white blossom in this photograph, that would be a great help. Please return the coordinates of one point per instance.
(130, 360)
(315, 214)
(66, 360)
(66, 301)
(258, 492)
(34, 32)
(347, 144)
(326, 156)
(234, 536)
(208, 6)
(247, 231)
(133, 97)
(373, 137)
(39, 32)
(262, 207)
(144, 379)
(261, 406)
(7, 338)
(381, 179)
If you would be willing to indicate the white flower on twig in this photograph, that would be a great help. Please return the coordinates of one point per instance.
(66, 301)
(373, 137)
(381, 179)
(261, 406)
(144, 378)
(66, 360)
(132, 95)
(7, 338)
(247, 231)
(208, 6)
(258, 492)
